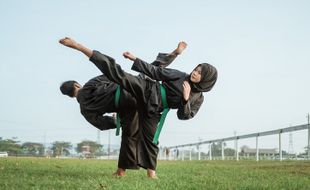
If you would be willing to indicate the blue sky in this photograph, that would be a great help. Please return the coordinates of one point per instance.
(261, 50)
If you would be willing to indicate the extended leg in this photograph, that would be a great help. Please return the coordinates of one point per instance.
(132, 84)
(74, 45)
(107, 65)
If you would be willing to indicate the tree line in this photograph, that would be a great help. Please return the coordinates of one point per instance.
(58, 148)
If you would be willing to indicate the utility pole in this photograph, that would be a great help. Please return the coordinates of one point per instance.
(290, 144)
(308, 116)
(44, 141)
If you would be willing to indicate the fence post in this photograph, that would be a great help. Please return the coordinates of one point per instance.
(257, 153)
(190, 152)
(182, 153)
(175, 155)
(237, 153)
(223, 158)
(210, 151)
(308, 136)
(280, 147)
(198, 151)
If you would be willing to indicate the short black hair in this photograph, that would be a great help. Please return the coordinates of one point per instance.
(67, 87)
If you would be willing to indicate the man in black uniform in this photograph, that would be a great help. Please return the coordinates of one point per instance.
(97, 97)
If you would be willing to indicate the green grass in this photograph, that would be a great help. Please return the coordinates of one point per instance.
(40, 173)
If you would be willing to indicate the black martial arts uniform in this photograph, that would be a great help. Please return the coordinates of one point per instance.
(149, 100)
(97, 98)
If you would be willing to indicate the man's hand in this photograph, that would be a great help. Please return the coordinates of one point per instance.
(129, 56)
(186, 90)
(114, 117)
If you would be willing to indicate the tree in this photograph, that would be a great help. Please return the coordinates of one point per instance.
(33, 148)
(91, 146)
(229, 152)
(11, 146)
(217, 150)
(61, 148)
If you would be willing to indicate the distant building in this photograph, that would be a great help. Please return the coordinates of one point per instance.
(4, 154)
(86, 151)
(246, 151)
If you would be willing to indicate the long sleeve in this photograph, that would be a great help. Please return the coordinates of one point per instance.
(99, 121)
(163, 60)
(189, 109)
(155, 72)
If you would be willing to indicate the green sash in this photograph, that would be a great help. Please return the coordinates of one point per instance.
(163, 115)
(116, 101)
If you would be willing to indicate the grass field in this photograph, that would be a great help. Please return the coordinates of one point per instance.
(40, 173)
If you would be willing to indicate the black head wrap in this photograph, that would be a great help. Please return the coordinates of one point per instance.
(208, 78)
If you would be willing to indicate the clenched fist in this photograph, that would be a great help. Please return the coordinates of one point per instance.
(186, 90)
(128, 55)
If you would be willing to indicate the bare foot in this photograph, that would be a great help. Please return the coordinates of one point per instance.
(181, 47)
(151, 174)
(120, 172)
(68, 42)
(128, 55)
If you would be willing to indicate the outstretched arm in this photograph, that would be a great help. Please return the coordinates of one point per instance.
(162, 59)
(99, 121)
(152, 71)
